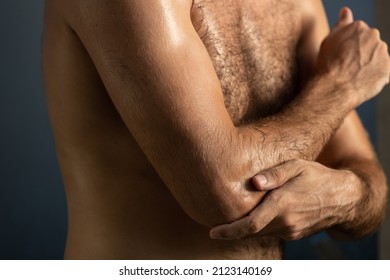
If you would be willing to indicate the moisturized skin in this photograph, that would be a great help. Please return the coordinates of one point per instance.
(166, 113)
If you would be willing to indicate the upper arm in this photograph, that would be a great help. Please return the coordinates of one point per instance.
(162, 82)
(152, 63)
(315, 28)
(350, 143)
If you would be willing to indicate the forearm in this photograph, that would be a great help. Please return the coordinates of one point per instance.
(300, 131)
(303, 128)
(368, 185)
(347, 196)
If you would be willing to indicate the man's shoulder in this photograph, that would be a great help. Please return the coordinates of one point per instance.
(129, 5)
(77, 12)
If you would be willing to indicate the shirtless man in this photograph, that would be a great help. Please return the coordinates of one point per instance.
(172, 117)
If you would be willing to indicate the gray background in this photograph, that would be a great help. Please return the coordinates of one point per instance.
(32, 202)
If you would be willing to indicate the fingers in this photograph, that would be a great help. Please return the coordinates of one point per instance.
(255, 223)
(345, 18)
(231, 231)
(277, 176)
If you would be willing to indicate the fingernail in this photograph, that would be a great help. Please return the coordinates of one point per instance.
(343, 12)
(262, 180)
(213, 234)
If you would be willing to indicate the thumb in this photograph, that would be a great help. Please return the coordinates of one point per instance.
(345, 18)
(277, 176)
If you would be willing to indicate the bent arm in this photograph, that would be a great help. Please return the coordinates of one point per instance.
(349, 198)
(162, 82)
(305, 197)
(350, 149)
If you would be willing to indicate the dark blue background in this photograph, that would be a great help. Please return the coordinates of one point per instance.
(32, 200)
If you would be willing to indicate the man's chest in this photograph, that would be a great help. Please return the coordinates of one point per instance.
(253, 45)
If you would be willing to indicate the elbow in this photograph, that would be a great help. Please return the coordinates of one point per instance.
(219, 188)
(226, 203)
(221, 213)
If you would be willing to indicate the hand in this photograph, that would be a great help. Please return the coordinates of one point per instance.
(355, 57)
(304, 197)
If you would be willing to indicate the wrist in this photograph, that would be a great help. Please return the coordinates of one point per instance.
(349, 202)
(335, 89)
(354, 188)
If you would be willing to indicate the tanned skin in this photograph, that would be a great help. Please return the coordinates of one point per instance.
(168, 115)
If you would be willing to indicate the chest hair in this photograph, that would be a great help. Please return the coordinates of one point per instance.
(253, 45)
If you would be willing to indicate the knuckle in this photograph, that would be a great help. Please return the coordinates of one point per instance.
(297, 161)
(297, 165)
(382, 50)
(289, 223)
(274, 198)
(277, 174)
(292, 231)
(285, 204)
(313, 166)
(360, 25)
(280, 204)
(288, 206)
(292, 236)
(277, 200)
(375, 33)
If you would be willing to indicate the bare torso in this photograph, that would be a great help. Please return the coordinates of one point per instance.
(118, 206)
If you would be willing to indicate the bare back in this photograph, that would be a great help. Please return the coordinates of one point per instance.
(118, 206)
